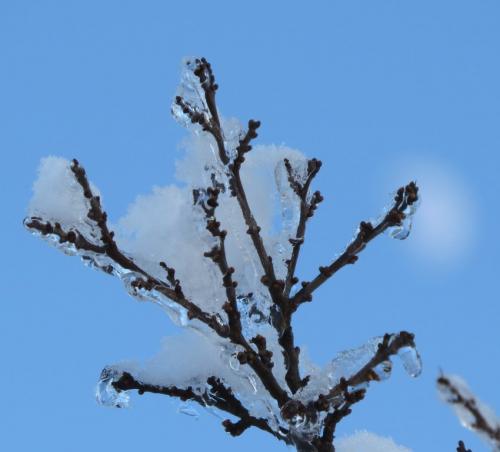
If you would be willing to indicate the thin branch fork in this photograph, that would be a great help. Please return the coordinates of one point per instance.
(218, 256)
(219, 396)
(307, 208)
(324, 442)
(405, 196)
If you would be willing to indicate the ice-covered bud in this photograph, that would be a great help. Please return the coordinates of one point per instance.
(107, 394)
(189, 107)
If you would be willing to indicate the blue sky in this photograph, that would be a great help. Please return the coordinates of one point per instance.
(380, 91)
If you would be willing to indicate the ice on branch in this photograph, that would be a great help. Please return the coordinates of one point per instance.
(218, 252)
(471, 412)
(106, 394)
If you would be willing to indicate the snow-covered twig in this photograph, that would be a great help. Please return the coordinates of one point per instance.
(472, 413)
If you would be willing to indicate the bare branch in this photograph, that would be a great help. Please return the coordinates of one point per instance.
(406, 196)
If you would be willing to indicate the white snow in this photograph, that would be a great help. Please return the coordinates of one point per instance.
(364, 441)
(56, 194)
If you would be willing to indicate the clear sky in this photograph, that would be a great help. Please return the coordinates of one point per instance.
(381, 91)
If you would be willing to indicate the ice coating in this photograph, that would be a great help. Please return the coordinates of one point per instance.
(348, 362)
(106, 394)
(402, 231)
(191, 91)
(411, 360)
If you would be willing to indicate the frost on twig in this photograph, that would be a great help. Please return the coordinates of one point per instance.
(471, 412)
(215, 256)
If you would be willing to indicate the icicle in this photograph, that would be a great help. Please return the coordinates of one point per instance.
(188, 410)
(411, 360)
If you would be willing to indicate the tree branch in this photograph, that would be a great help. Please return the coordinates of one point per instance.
(470, 405)
(307, 209)
(390, 345)
(406, 196)
(324, 442)
(219, 396)
(259, 361)
(111, 250)
(275, 286)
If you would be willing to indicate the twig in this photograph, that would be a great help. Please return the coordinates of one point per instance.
(470, 404)
(390, 345)
(260, 362)
(324, 442)
(406, 196)
(275, 286)
(307, 209)
(148, 282)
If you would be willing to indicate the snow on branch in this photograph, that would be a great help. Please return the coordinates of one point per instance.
(214, 255)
